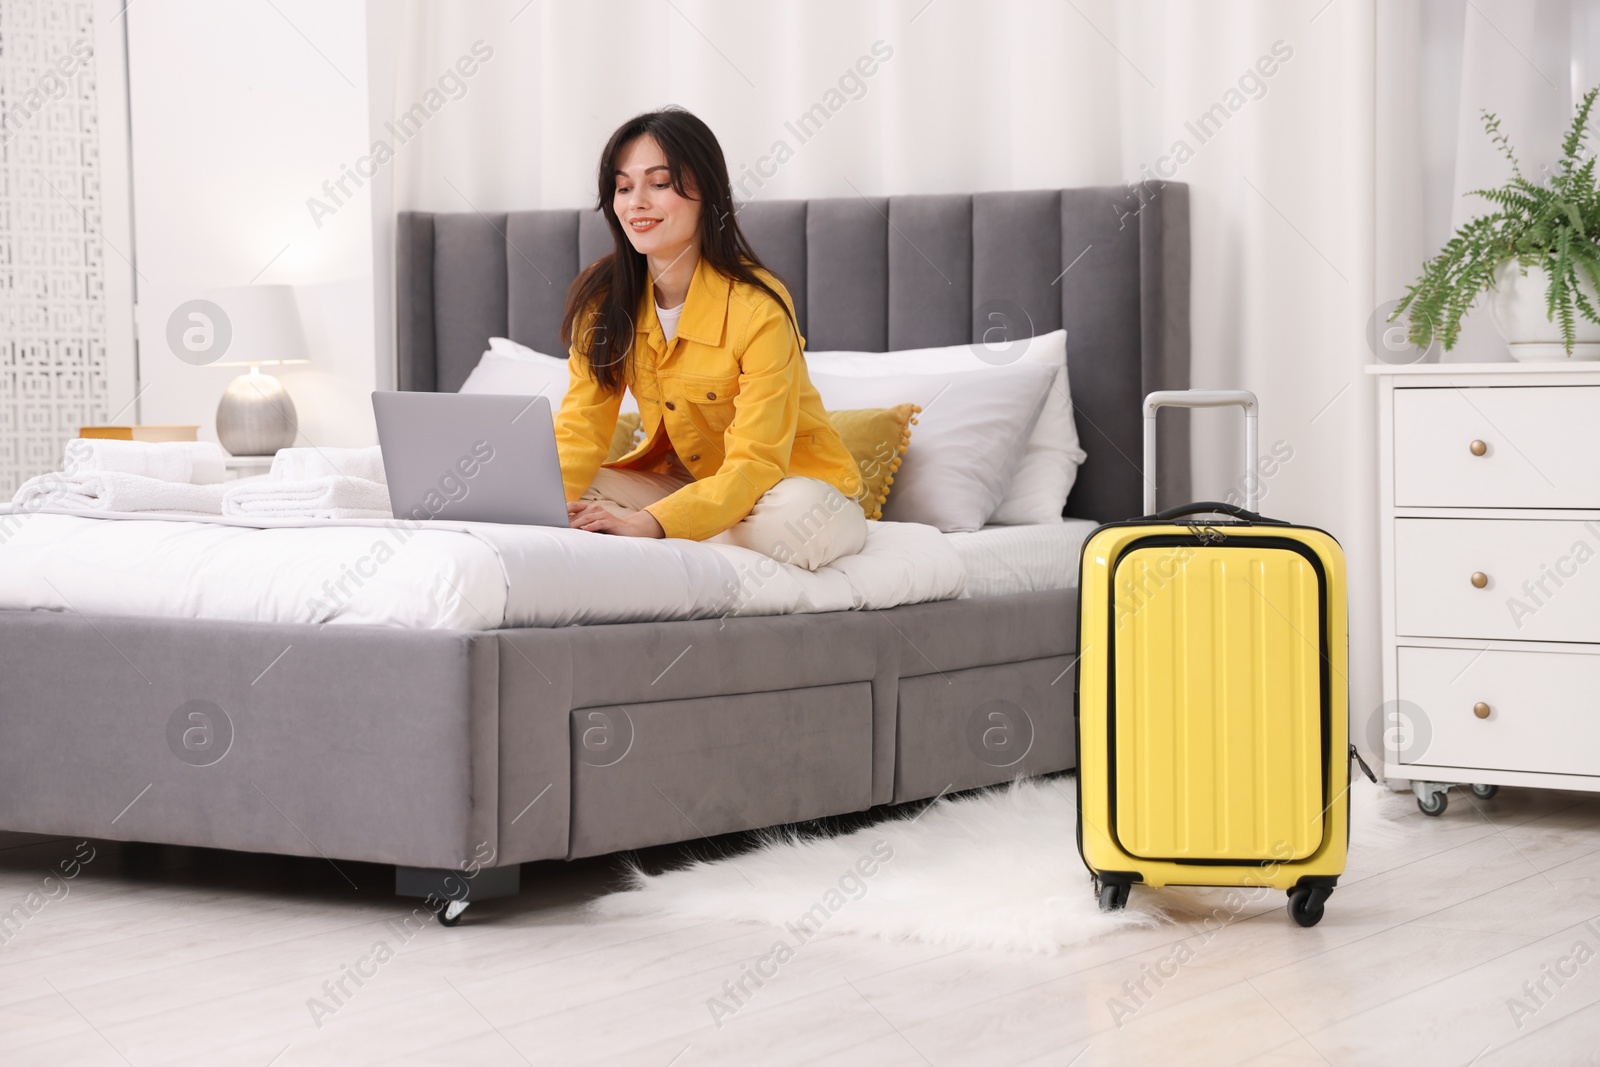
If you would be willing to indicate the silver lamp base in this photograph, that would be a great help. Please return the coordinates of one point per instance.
(255, 416)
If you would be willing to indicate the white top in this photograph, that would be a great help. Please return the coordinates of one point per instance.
(1504, 366)
(669, 320)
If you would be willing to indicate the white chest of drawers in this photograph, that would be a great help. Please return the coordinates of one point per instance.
(1489, 517)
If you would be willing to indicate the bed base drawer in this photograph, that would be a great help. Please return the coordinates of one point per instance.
(678, 770)
(982, 726)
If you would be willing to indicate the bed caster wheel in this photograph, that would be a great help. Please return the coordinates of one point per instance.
(1113, 896)
(1305, 905)
(449, 912)
(1485, 792)
(1434, 804)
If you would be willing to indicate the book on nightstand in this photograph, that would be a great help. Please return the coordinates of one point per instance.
(141, 433)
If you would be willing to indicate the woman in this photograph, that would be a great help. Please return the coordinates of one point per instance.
(737, 446)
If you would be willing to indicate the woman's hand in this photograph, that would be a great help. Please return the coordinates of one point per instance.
(587, 515)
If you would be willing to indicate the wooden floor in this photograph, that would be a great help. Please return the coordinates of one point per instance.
(155, 956)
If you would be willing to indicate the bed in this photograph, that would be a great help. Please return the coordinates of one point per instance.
(458, 752)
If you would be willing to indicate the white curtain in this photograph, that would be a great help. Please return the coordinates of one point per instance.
(1346, 132)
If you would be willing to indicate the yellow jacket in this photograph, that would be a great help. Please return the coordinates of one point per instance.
(729, 394)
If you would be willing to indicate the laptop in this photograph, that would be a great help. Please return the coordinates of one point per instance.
(473, 457)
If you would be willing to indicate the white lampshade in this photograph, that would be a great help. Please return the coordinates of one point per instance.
(265, 323)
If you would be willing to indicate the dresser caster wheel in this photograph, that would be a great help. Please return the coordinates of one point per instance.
(1305, 905)
(449, 912)
(1485, 792)
(1113, 896)
(1434, 804)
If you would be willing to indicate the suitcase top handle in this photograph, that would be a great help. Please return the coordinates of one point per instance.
(1201, 398)
(1210, 507)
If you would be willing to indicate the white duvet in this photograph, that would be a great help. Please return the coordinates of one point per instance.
(462, 576)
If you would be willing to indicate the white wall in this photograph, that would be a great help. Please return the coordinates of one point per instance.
(240, 112)
(116, 210)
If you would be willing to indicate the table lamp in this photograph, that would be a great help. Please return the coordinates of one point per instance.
(255, 416)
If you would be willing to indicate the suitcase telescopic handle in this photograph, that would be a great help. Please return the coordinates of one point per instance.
(1201, 398)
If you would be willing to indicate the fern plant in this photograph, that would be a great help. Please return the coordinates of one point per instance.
(1553, 224)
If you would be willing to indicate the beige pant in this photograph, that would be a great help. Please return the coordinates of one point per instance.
(802, 521)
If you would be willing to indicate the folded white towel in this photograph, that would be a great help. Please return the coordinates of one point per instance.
(199, 462)
(116, 491)
(334, 497)
(306, 464)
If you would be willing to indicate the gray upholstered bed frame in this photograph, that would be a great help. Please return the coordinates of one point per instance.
(474, 752)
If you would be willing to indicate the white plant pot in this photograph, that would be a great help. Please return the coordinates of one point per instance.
(1516, 303)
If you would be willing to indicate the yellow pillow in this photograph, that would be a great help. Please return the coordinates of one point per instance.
(877, 438)
(623, 437)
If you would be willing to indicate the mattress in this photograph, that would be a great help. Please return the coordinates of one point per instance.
(1001, 560)
(436, 575)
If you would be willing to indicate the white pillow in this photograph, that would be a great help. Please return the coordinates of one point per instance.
(517, 370)
(1049, 465)
(968, 441)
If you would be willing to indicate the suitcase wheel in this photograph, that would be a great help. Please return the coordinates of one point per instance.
(1485, 792)
(1113, 896)
(1305, 905)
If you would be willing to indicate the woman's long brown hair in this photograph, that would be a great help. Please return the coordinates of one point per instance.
(612, 286)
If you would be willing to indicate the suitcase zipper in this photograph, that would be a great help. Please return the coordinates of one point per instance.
(1363, 764)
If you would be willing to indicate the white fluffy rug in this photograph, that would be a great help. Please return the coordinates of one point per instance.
(998, 869)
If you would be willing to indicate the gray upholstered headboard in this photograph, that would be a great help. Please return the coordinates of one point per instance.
(1110, 264)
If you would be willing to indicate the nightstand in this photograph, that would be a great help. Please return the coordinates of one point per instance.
(1489, 522)
(247, 466)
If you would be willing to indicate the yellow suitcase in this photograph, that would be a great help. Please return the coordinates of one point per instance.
(1211, 696)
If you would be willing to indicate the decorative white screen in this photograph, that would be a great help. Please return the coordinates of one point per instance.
(53, 375)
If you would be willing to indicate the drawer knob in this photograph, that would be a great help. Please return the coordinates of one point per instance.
(1479, 579)
(1481, 710)
(1478, 448)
